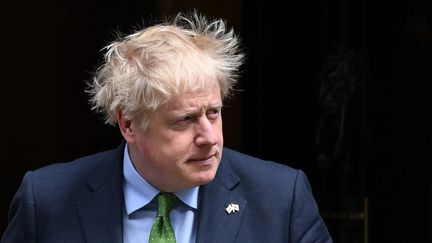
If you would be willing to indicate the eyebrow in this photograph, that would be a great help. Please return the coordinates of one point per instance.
(183, 112)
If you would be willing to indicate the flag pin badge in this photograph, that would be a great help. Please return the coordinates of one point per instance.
(232, 208)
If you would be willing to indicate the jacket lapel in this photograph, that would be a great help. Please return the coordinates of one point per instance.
(100, 207)
(215, 223)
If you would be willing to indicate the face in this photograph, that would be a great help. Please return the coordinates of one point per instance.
(182, 146)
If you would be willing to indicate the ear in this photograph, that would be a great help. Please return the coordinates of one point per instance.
(125, 126)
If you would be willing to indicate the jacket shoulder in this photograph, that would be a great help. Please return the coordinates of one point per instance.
(79, 165)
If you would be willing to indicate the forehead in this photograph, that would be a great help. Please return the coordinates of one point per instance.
(199, 98)
(195, 91)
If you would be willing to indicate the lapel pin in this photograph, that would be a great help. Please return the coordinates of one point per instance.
(232, 208)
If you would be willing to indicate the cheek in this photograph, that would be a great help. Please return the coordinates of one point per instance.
(146, 149)
(219, 130)
(174, 146)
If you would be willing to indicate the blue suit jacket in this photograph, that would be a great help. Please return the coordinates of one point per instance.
(82, 201)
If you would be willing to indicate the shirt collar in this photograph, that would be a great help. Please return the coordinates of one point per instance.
(138, 192)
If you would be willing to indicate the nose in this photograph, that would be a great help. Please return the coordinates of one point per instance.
(206, 133)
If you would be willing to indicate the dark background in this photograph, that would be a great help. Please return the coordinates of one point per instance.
(340, 89)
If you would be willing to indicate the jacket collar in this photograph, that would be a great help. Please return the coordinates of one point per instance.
(215, 223)
(100, 206)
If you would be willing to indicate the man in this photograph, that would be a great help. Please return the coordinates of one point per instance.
(164, 86)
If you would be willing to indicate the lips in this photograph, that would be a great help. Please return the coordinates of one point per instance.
(201, 158)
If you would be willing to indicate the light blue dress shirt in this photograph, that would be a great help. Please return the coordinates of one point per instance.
(140, 208)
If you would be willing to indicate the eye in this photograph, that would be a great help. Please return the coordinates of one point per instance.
(183, 122)
(187, 118)
(213, 114)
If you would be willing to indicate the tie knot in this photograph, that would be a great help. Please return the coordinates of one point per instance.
(165, 203)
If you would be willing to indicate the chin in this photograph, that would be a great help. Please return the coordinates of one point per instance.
(205, 178)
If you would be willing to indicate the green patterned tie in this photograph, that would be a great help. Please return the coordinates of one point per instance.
(162, 231)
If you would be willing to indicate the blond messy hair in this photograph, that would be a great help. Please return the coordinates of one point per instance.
(146, 69)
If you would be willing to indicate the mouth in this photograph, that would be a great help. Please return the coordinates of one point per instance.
(203, 159)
